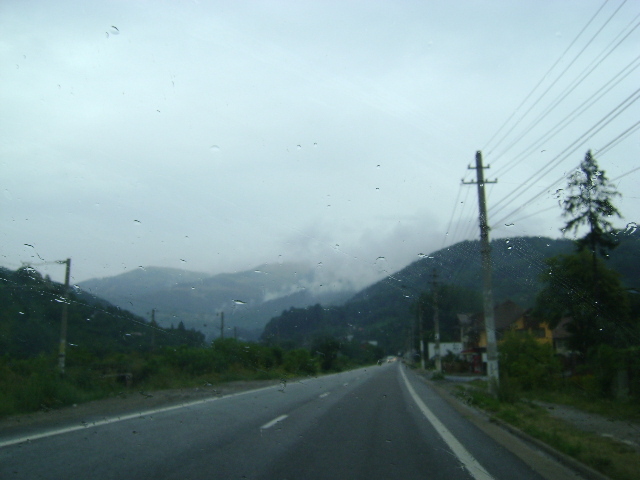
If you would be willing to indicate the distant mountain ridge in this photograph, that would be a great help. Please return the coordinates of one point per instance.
(248, 298)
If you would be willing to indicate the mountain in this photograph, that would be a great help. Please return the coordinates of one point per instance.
(30, 315)
(384, 311)
(248, 298)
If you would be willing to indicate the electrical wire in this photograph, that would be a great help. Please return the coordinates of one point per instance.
(580, 78)
(598, 126)
(559, 180)
(545, 75)
(562, 124)
(554, 82)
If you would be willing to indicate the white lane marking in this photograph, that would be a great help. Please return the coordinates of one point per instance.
(325, 394)
(273, 422)
(122, 418)
(472, 465)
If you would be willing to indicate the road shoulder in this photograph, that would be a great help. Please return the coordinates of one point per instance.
(542, 458)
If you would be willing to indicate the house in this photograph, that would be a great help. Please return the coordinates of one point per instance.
(508, 316)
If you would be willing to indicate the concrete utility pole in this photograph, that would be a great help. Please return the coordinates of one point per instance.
(153, 328)
(421, 334)
(436, 321)
(487, 293)
(65, 315)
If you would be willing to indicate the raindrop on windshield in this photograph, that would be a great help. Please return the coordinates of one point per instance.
(631, 228)
(114, 30)
(239, 302)
(214, 149)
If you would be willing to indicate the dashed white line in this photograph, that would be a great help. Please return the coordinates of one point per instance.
(471, 464)
(122, 418)
(273, 422)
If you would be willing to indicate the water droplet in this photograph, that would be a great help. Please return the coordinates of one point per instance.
(631, 228)
(319, 265)
(21, 313)
(114, 30)
(315, 144)
(298, 147)
(183, 260)
(377, 188)
(141, 268)
(137, 221)
(239, 302)
(509, 224)
(214, 149)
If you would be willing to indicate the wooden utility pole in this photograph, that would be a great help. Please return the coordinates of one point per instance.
(487, 293)
(436, 321)
(62, 355)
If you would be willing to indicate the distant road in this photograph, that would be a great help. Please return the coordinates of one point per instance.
(374, 423)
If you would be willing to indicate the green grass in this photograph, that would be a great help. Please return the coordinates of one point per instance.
(612, 458)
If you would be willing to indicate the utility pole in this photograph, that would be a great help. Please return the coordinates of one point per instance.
(421, 334)
(62, 355)
(221, 324)
(487, 293)
(436, 321)
(153, 328)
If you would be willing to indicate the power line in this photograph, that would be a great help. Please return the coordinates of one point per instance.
(608, 146)
(562, 124)
(554, 82)
(545, 76)
(619, 138)
(603, 122)
(565, 93)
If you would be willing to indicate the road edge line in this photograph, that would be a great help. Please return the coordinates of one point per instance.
(472, 465)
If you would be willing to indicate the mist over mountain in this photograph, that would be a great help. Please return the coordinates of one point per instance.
(248, 298)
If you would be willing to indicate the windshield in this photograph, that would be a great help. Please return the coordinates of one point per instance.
(197, 193)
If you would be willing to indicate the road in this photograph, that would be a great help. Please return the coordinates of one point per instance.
(372, 423)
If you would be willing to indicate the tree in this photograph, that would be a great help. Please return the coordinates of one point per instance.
(452, 300)
(568, 293)
(589, 204)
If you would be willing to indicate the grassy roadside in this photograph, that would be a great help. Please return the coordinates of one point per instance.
(612, 458)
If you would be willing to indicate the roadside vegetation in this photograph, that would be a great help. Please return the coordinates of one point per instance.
(33, 384)
(530, 373)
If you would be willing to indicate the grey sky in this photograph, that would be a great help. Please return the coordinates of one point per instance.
(216, 136)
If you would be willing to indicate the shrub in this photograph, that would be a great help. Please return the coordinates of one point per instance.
(527, 364)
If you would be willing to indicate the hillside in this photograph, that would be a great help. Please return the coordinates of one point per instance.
(383, 312)
(31, 310)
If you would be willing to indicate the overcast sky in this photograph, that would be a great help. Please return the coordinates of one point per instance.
(217, 136)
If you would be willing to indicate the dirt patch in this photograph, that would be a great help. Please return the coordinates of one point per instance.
(620, 430)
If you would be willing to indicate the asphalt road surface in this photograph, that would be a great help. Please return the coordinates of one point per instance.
(374, 423)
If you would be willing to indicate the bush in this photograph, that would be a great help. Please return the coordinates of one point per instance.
(527, 364)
